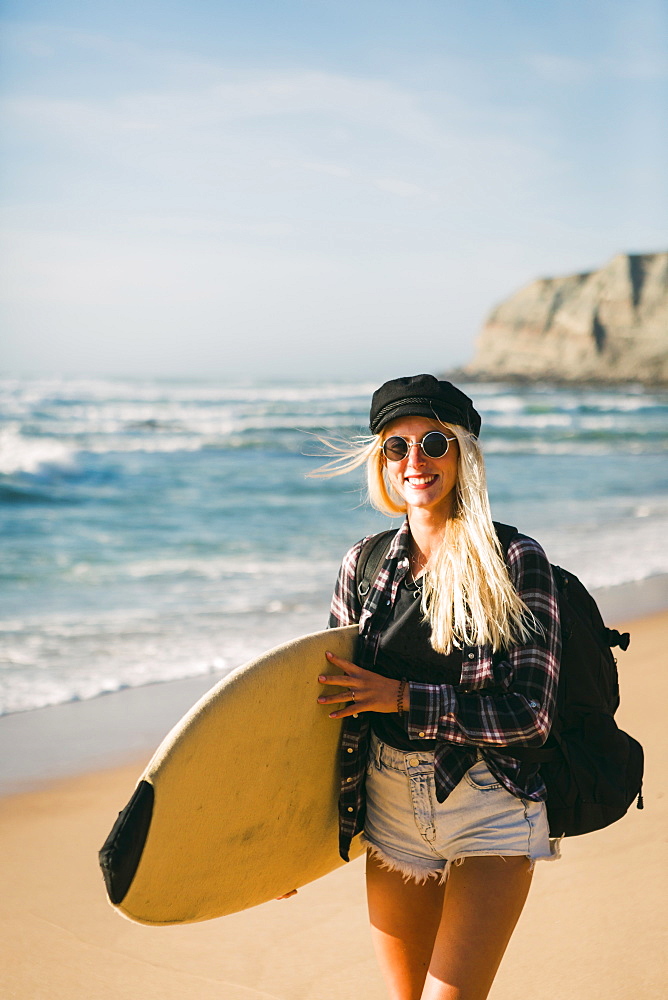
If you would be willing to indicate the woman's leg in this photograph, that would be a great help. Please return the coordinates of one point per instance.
(445, 942)
(484, 897)
(405, 918)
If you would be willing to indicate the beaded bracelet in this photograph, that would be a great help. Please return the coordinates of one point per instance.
(400, 695)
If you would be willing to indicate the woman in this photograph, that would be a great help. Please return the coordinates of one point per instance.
(457, 663)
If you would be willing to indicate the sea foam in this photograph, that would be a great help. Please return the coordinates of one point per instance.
(158, 530)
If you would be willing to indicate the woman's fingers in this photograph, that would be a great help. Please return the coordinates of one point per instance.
(363, 690)
(346, 665)
(345, 681)
(351, 673)
(349, 681)
(351, 684)
(337, 699)
(341, 680)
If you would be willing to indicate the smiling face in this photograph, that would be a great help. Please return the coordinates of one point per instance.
(424, 483)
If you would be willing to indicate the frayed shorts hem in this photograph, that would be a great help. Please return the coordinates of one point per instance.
(408, 869)
(421, 873)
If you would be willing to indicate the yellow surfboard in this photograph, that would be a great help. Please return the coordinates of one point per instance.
(239, 803)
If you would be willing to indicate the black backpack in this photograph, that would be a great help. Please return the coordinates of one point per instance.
(592, 769)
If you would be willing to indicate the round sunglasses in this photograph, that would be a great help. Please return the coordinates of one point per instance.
(434, 445)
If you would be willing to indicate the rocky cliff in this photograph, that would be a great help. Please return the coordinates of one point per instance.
(609, 325)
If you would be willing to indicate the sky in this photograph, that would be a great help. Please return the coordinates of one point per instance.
(233, 189)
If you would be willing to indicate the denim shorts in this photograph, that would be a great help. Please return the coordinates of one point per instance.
(409, 831)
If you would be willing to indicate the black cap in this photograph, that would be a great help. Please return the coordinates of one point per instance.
(422, 396)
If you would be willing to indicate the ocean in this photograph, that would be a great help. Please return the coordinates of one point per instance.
(159, 530)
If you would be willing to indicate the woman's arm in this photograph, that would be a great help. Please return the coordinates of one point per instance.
(520, 708)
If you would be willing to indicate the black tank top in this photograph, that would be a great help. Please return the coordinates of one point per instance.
(405, 651)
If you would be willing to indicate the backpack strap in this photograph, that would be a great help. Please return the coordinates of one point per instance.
(506, 533)
(371, 556)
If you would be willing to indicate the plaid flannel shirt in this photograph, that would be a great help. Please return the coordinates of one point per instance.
(499, 702)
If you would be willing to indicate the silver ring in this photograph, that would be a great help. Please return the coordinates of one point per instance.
(352, 697)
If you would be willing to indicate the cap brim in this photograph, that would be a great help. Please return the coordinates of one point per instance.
(434, 412)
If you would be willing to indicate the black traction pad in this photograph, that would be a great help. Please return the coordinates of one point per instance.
(122, 850)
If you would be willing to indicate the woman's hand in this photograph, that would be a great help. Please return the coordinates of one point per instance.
(367, 691)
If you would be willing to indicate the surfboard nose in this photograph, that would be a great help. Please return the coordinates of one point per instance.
(122, 850)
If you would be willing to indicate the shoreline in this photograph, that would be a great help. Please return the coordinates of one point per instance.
(43, 745)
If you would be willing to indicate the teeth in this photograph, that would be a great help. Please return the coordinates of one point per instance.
(420, 480)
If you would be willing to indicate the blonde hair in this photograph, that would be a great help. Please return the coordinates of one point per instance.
(468, 597)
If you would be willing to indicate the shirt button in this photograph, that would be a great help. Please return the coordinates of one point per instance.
(350, 809)
(350, 749)
(413, 762)
(471, 656)
(421, 735)
(534, 704)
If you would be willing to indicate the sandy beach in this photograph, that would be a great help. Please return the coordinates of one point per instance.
(594, 926)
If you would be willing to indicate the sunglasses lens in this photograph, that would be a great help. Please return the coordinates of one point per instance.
(435, 444)
(394, 449)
